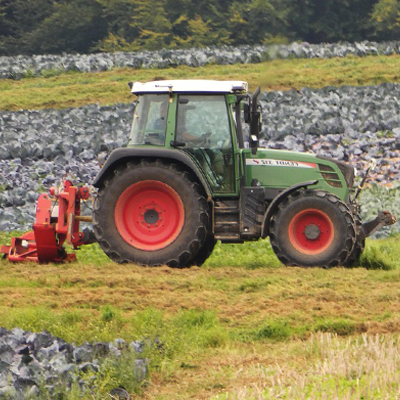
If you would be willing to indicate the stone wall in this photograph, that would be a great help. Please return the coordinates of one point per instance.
(17, 67)
(39, 148)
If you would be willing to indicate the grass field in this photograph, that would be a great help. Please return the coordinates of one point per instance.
(77, 89)
(243, 326)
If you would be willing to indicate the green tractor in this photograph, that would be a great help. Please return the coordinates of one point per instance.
(189, 177)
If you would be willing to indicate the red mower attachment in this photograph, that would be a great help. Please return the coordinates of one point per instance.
(57, 221)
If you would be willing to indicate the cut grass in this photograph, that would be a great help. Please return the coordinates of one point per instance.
(217, 328)
(78, 89)
(365, 367)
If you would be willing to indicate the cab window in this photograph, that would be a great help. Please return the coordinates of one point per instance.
(150, 120)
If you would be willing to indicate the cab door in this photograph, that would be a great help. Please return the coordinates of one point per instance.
(203, 127)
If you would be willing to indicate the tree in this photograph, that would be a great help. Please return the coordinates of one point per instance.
(201, 33)
(255, 21)
(331, 20)
(117, 15)
(153, 25)
(74, 26)
(386, 19)
(17, 17)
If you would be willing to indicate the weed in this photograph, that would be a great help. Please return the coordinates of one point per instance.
(250, 255)
(385, 134)
(251, 285)
(196, 319)
(341, 327)
(109, 314)
(374, 257)
(274, 330)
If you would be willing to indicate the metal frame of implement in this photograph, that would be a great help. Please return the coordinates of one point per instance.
(45, 242)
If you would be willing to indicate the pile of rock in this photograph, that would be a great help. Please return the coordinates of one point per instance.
(354, 124)
(17, 67)
(329, 50)
(39, 148)
(35, 362)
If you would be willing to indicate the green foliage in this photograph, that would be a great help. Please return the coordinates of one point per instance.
(249, 255)
(151, 21)
(74, 26)
(386, 18)
(379, 256)
(274, 330)
(37, 26)
(332, 20)
(114, 372)
(44, 26)
(340, 326)
(110, 314)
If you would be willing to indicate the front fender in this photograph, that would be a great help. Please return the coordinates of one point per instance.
(275, 202)
(123, 155)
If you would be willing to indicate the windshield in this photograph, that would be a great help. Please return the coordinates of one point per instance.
(150, 120)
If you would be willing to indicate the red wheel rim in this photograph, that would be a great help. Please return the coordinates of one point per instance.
(149, 215)
(311, 231)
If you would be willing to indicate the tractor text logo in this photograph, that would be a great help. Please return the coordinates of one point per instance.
(280, 163)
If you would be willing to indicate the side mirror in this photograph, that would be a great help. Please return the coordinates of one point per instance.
(255, 120)
(246, 113)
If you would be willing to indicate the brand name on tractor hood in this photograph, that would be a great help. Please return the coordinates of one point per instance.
(280, 163)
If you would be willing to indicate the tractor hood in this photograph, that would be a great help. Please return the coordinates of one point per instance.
(282, 169)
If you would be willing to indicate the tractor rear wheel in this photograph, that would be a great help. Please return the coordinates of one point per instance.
(204, 253)
(312, 228)
(151, 213)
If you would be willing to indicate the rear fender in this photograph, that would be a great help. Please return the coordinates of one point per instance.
(275, 202)
(122, 156)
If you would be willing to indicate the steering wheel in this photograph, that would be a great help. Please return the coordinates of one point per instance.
(200, 141)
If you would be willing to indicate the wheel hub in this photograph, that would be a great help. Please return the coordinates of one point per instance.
(151, 216)
(312, 232)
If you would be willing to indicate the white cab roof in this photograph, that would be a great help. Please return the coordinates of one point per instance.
(189, 86)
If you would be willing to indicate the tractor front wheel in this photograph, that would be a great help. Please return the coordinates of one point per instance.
(312, 228)
(359, 245)
(151, 213)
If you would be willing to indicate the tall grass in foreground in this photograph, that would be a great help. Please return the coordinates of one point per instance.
(365, 367)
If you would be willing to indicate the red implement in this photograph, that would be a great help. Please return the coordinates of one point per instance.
(57, 222)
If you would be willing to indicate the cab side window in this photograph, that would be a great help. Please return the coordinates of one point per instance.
(150, 120)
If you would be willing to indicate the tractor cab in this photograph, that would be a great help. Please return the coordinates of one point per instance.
(200, 118)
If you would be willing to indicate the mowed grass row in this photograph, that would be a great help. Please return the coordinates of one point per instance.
(242, 325)
(63, 90)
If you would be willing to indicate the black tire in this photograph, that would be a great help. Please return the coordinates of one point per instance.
(312, 228)
(205, 252)
(150, 213)
(359, 245)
